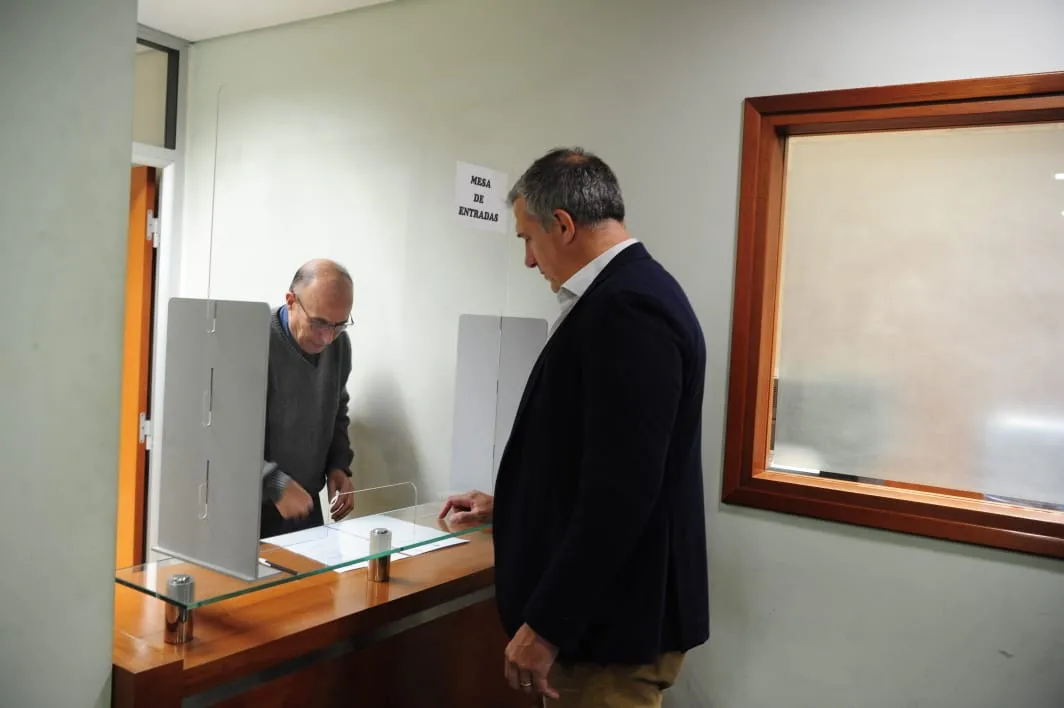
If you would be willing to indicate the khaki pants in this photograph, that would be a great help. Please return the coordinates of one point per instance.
(593, 686)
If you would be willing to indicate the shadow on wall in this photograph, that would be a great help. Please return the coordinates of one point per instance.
(385, 453)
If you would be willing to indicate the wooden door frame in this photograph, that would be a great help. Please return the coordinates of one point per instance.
(169, 165)
(137, 505)
(133, 440)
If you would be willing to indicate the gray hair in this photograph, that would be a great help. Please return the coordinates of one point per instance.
(573, 180)
(318, 268)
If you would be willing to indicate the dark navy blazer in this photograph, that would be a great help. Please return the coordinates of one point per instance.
(599, 521)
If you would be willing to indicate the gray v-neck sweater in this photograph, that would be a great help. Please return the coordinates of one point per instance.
(306, 413)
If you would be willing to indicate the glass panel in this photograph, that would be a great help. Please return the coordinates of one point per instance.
(310, 176)
(297, 174)
(338, 547)
(920, 323)
(149, 95)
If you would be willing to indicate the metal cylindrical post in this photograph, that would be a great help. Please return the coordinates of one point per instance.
(182, 589)
(380, 540)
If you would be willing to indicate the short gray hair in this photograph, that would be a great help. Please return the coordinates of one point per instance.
(319, 267)
(573, 180)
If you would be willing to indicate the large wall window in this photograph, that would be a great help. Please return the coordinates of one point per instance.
(899, 310)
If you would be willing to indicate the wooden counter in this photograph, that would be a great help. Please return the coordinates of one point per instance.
(429, 637)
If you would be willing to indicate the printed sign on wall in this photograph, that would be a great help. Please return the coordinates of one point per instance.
(480, 194)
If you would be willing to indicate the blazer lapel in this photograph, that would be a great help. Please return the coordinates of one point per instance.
(530, 385)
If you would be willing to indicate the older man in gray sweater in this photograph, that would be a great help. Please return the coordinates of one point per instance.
(307, 445)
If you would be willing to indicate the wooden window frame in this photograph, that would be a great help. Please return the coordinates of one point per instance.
(767, 123)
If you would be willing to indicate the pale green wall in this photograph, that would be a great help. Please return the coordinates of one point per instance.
(66, 84)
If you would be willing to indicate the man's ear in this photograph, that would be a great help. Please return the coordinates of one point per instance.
(289, 298)
(565, 225)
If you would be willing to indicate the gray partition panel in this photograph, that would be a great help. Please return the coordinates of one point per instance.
(495, 357)
(183, 462)
(215, 414)
(476, 381)
(522, 340)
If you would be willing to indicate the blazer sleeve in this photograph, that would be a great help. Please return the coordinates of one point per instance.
(632, 377)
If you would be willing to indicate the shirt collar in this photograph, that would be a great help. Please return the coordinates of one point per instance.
(283, 314)
(581, 280)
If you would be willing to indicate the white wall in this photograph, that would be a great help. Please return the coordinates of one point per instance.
(66, 82)
(339, 137)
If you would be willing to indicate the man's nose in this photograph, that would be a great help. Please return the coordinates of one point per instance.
(530, 260)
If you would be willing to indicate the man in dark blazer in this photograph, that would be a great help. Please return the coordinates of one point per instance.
(598, 513)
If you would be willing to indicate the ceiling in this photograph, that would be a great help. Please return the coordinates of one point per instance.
(196, 20)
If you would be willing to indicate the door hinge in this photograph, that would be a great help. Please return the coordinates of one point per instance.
(153, 229)
(145, 431)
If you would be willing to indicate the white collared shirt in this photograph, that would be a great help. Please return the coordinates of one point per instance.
(575, 287)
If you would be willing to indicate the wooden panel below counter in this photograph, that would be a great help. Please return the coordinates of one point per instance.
(447, 662)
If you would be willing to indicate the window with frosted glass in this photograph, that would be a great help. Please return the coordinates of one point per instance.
(920, 326)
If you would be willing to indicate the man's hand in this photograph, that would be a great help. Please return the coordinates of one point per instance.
(528, 661)
(469, 508)
(341, 494)
(294, 503)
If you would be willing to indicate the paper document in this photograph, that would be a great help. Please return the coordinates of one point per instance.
(326, 546)
(286, 540)
(404, 533)
(348, 540)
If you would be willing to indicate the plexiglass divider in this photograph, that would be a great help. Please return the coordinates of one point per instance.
(337, 547)
(402, 210)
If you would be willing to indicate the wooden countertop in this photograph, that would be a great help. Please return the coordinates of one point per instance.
(247, 634)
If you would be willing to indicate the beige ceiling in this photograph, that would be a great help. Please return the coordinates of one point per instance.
(196, 20)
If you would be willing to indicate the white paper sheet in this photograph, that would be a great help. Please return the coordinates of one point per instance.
(403, 533)
(480, 197)
(290, 539)
(349, 539)
(326, 546)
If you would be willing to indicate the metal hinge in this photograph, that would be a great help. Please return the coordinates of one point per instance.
(153, 229)
(144, 433)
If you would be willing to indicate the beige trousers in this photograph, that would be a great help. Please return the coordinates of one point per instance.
(593, 686)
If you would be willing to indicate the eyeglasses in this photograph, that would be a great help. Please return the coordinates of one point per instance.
(320, 323)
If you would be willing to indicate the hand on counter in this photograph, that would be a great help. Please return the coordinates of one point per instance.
(294, 503)
(469, 508)
(528, 661)
(342, 494)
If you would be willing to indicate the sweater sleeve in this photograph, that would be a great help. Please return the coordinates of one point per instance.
(340, 452)
(274, 481)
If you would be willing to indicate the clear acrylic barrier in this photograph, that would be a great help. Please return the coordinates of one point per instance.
(321, 175)
(338, 547)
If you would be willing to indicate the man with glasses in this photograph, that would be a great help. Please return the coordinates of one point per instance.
(307, 445)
